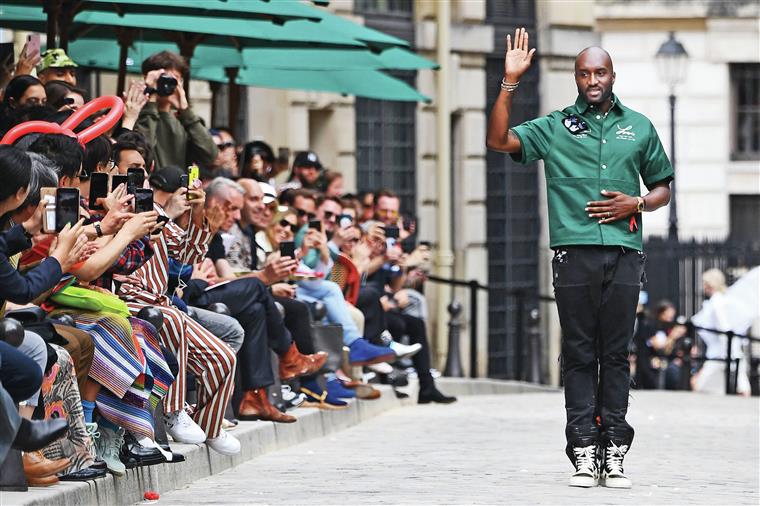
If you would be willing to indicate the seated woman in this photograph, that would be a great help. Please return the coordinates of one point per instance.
(19, 177)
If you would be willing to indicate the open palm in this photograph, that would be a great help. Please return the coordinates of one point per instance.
(518, 58)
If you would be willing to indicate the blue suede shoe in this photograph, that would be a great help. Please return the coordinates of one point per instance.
(318, 398)
(362, 352)
(336, 389)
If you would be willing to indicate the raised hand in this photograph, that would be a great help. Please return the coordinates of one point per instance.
(69, 246)
(518, 57)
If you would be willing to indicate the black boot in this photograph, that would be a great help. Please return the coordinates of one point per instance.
(432, 394)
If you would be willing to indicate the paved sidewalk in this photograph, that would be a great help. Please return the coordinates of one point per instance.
(497, 449)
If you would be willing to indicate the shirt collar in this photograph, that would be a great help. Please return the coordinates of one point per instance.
(582, 106)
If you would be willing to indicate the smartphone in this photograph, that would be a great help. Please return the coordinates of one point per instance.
(162, 221)
(66, 207)
(193, 173)
(183, 179)
(391, 232)
(32, 45)
(135, 178)
(288, 249)
(345, 220)
(118, 179)
(315, 224)
(98, 189)
(47, 195)
(6, 55)
(143, 200)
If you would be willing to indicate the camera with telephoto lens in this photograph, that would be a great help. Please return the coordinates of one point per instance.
(165, 85)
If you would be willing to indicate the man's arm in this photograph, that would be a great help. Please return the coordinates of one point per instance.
(517, 60)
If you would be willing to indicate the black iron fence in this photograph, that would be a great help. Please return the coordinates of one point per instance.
(674, 268)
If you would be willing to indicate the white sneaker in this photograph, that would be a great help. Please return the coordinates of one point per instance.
(290, 397)
(612, 470)
(586, 471)
(225, 443)
(183, 429)
(381, 368)
(404, 351)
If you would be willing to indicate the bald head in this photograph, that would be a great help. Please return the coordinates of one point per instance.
(595, 55)
(595, 76)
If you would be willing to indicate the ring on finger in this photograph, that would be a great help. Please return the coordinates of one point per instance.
(609, 214)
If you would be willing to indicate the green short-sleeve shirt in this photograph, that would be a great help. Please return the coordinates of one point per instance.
(612, 152)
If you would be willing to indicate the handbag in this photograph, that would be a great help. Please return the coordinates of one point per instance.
(90, 300)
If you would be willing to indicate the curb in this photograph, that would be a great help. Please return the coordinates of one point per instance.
(256, 438)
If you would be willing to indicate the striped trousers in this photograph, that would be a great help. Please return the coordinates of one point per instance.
(207, 357)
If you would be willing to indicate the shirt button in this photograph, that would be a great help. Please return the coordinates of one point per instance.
(604, 141)
(598, 117)
(604, 166)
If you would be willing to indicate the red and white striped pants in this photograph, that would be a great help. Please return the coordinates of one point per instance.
(203, 354)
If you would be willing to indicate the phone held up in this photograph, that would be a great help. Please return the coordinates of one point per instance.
(61, 207)
(315, 224)
(143, 200)
(288, 249)
(98, 189)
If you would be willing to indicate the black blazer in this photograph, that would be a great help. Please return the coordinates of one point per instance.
(23, 288)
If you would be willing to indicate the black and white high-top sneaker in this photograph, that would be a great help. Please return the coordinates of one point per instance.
(586, 469)
(612, 466)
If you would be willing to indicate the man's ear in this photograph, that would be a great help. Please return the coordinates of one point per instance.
(614, 75)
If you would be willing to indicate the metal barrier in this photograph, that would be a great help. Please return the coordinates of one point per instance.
(453, 360)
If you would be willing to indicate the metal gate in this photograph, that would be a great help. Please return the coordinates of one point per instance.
(512, 204)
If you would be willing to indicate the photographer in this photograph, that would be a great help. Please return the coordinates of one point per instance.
(174, 132)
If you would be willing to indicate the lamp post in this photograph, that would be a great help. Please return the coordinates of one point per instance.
(672, 60)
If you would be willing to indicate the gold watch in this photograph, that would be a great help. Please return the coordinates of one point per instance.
(640, 204)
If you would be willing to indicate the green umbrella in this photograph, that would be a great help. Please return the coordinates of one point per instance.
(362, 83)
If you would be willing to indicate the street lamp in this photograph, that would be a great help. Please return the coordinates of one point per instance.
(672, 60)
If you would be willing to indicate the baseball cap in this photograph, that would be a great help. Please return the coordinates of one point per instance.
(167, 178)
(307, 159)
(270, 195)
(55, 58)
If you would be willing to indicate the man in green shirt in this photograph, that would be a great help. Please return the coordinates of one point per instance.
(596, 152)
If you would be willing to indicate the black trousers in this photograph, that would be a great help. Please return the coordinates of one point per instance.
(253, 307)
(374, 314)
(20, 375)
(597, 289)
(400, 324)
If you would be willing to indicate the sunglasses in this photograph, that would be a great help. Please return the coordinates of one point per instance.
(302, 213)
(329, 215)
(225, 145)
(286, 224)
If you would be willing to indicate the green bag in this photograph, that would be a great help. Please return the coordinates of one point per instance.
(90, 300)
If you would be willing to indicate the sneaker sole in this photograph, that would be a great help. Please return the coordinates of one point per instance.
(390, 357)
(583, 482)
(409, 354)
(615, 483)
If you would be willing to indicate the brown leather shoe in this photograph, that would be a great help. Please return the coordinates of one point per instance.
(293, 364)
(41, 481)
(36, 465)
(256, 406)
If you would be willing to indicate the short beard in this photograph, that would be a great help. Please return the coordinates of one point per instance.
(606, 95)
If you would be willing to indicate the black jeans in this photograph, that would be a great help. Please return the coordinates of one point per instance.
(253, 307)
(399, 325)
(597, 289)
(374, 314)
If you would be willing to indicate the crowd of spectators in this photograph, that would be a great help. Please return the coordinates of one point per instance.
(132, 327)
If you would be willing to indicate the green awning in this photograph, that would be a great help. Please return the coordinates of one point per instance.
(362, 83)
(96, 52)
(283, 10)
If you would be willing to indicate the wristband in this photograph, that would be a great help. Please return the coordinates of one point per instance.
(98, 230)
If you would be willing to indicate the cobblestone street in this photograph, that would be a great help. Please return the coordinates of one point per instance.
(689, 449)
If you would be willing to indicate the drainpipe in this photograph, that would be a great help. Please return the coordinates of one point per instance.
(445, 256)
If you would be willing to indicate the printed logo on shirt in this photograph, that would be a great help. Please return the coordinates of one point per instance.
(625, 133)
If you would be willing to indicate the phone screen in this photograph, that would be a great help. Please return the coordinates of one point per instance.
(183, 181)
(135, 178)
(288, 249)
(66, 207)
(98, 189)
(391, 232)
(143, 200)
(118, 179)
(6, 54)
(315, 224)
